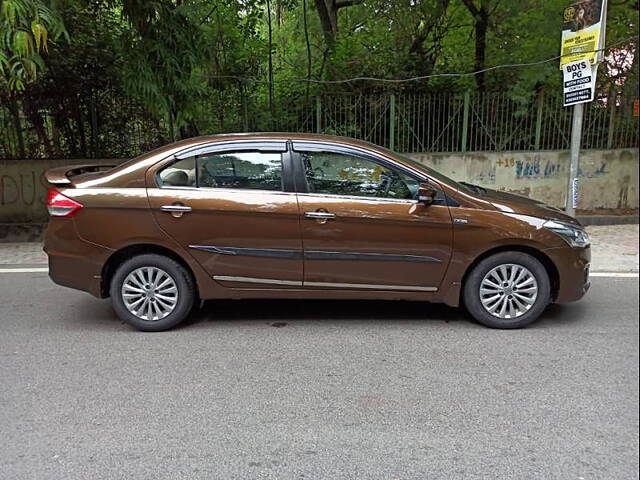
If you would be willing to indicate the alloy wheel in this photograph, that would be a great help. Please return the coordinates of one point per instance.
(149, 293)
(508, 291)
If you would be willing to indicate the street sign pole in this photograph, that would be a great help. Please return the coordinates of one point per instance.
(576, 34)
(576, 136)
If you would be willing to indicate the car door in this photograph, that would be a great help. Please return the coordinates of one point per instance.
(362, 227)
(231, 207)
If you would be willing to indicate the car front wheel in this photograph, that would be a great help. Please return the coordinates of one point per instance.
(507, 290)
(152, 292)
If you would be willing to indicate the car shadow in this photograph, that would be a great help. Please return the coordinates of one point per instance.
(284, 312)
(281, 312)
(278, 312)
(561, 315)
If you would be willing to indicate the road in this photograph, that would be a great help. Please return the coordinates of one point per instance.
(316, 390)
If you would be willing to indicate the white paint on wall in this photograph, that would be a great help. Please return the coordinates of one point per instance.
(608, 178)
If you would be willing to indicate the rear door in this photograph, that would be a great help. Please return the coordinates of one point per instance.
(362, 226)
(233, 209)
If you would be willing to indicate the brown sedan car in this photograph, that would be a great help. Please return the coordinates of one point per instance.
(303, 216)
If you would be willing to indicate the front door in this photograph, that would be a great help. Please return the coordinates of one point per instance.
(228, 206)
(362, 226)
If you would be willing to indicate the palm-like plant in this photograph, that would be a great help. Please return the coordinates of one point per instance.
(26, 28)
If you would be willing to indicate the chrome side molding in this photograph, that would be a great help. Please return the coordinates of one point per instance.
(266, 281)
(351, 286)
(367, 286)
(250, 252)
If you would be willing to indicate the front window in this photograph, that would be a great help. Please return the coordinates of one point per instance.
(430, 171)
(346, 174)
(246, 170)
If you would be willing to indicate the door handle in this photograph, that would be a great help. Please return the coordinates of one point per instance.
(175, 208)
(320, 215)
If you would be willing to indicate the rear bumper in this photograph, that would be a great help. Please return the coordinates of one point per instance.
(73, 262)
(573, 272)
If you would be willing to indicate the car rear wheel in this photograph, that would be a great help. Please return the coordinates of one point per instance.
(152, 292)
(507, 290)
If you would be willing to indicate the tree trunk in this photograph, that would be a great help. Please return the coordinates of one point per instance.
(482, 25)
(308, 47)
(14, 110)
(328, 14)
(81, 133)
(38, 121)
(481, 17)
(271, 106)
(424, 59)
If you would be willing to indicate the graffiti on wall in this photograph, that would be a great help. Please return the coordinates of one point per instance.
(593, 171)
(23, 189)
(536, 168)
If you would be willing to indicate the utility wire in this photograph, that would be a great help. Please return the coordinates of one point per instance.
(424, 77)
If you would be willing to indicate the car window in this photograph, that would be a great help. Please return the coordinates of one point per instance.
(241, 170)
(345, 174)
(180, 174)
(245, 170)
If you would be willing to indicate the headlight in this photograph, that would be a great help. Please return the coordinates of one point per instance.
(573, 235)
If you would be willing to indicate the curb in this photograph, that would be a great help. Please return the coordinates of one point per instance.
(608, 219)
(21, 232)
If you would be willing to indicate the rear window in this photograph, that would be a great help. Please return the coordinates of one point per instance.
(246, 170)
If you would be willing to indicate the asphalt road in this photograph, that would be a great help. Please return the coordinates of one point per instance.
(316, 390)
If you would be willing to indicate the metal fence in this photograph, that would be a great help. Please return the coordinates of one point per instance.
(468, 122)
(106, 126)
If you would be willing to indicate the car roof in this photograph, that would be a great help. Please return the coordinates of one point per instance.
(273, 136)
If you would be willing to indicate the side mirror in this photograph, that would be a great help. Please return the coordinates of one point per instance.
(426, 194)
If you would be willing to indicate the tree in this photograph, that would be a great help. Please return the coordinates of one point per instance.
(328, 13)
(187, 67)
(28, 27)
(165, 55)
(481, 13)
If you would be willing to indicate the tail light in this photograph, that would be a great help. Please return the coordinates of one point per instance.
(61, 206)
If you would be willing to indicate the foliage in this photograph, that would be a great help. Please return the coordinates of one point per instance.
(27, 28)
(189, 67)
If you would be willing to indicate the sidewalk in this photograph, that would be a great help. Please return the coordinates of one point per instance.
(614, 248)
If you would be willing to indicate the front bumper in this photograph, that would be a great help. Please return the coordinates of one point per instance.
(573, 272)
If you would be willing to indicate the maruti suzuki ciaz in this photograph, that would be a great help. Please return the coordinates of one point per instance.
(303, 216)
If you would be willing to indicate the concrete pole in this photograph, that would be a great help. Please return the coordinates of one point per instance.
(576, 137)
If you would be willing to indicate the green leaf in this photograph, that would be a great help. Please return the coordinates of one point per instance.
(23, 43)
(40, 35)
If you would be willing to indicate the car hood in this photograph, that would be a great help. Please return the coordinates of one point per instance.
(512, 203)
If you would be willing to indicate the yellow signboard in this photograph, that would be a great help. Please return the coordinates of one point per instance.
(581, 31)
(580, 46)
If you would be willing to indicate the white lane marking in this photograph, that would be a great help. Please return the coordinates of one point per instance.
(24, 270)
(614, 274)
(591, 274)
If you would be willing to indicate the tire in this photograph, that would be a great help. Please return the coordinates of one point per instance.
(522, 305)
(165, 306)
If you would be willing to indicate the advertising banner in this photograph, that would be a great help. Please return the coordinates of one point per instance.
(579, 82)
(583, 31)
